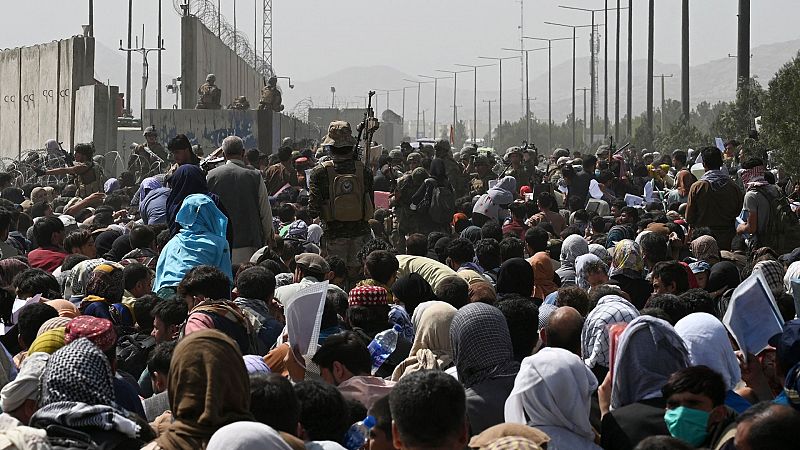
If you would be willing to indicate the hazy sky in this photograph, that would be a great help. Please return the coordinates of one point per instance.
(313, 38)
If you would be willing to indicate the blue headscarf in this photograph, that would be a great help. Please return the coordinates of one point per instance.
(200, 241)
(187, 180)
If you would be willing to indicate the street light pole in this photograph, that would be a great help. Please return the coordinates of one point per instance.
(549, 85)
(455, 93)
(474, 98)
(574, 90)
(419, 89)
(435, 96)
(663, 102)
(584, 114)
(527, 88)
(490, 118)
(500, 77)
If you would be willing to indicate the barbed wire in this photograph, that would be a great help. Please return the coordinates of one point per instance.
(206, 11)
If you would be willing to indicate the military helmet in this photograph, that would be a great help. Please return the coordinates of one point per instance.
(211, 78)
(559, 152)
(513, 150)
(481, 158)
(396, 155)
(151, 130)
(273, 80)
(468, 151)
(414, 157)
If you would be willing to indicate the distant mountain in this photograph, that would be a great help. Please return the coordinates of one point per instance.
(710, 81)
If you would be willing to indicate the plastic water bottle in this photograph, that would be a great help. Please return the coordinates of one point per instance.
(382, 346)
(358, 433)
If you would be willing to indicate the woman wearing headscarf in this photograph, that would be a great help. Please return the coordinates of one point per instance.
(120, 248)
(792, 273)
(105, 287)
(314, 234)
(482, 353)
(683, 181)
(75, 287)
(411, 290)
(543, 274)
(188, 180)
(572, 247)
(707, 342)
(472, 233)
(648, 352)
(705, 248)
(627, 271)
(581, 270)
(201, 241)
(249, 436)
(432, 348)
(87, 406)
(515, 277)
(493, 205)
(153, 197)
(601, 252)
(773, 272)
(552, 393)
(208, 388)
(610, 310)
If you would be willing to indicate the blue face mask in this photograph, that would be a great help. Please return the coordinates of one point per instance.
(687, 424)
(597, 172)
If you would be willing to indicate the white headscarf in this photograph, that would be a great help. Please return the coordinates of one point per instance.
(793, 272)
(314, 234)
(572, 247)
(610, 309)
(707, 341)
(648, 352)
(581, 275)
(247, 436)
(553, 389)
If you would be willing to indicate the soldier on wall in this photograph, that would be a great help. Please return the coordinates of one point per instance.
(270, 96)
(209, 94)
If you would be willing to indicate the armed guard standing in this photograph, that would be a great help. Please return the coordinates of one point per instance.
(87, 175)
(271, 98)
(210, 94)
(455, 172)
(341, 195)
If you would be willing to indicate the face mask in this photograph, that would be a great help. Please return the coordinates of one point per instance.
(597, 172)
(687, 424)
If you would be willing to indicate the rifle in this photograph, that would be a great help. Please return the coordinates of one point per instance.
(371, 125)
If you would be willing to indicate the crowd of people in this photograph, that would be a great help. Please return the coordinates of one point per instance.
(469, 299)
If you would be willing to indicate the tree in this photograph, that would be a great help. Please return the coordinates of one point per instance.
(681, 135)
(780, 117)
(738, 120)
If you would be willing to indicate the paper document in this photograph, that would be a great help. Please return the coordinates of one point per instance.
(752, 316)
(303, 313)
(633, 200)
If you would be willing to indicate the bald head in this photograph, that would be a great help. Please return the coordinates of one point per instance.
(563, 330)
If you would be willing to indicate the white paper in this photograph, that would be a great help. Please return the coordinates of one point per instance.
(752, 316)
(303, 313)
(633, 200)
(720, 144)
(648, 191)
(796, 294)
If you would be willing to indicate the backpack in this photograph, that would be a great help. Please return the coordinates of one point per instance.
(443, 205)
(348, 200)
(783, 229)
(133, 351)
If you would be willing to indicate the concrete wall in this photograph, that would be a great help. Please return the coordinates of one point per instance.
(37, 93)
(202, 53)
(95, 119)
(388, 135)
(209, 127)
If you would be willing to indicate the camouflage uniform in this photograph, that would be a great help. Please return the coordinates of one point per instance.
(480, 185)
(90, 181)
(210, 94)
(240, 103)
(343, 239)
(271, 98)
(521, 174)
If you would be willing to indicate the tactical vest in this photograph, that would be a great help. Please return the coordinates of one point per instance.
(90, 181)
(348, 200)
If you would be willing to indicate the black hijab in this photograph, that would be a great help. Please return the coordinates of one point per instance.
(412, 290)
(515, 277)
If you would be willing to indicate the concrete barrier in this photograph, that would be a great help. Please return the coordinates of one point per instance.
(9, 103)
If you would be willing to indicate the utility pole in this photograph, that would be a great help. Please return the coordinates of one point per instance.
(583, 134)
(455, 93)
(605, 71)
(743, 52)
(474, 98)
(500, 78)
(160, 45)
(527, 88)
(91, 18)
(435, 96)
(419, 89)
(128, 61)
(616, 76)
(650, 28)
(386, 91)
(490, 120)
(549, 86)
(663, 102)
(685, 59)
(629, 97)
(145, 68)
(574, 90)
